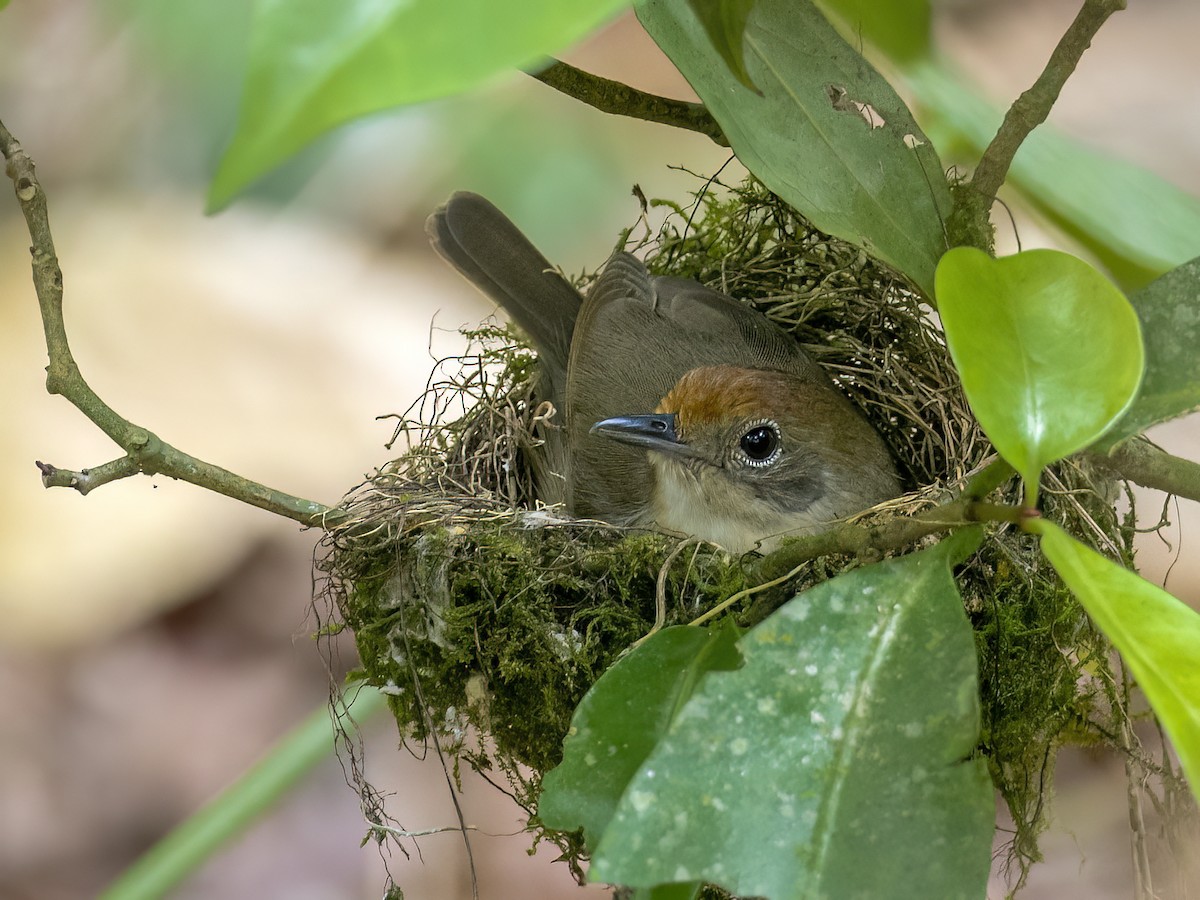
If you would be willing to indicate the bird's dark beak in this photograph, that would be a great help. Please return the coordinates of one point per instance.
(654, 432)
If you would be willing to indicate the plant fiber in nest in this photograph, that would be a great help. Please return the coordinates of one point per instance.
(473, 605)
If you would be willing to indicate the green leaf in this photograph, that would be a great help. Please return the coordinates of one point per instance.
(828, 134)
(687, 891)
(621, 718)
(1158, 636)
(1049, 351)
(835, 762)
(315, 65)
(1137, 224)
(196, 840)
(725, 22)
(1169, 311)
(899, 28)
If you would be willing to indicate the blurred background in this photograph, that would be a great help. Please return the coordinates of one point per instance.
(155, 639)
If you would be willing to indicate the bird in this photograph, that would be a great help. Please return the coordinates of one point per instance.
(683, 409)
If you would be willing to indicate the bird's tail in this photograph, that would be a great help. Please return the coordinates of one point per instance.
(481, 242)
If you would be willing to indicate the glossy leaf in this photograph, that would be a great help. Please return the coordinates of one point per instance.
(1137, 224)
(316, 65)
(899, 28)
(1158, 636)
(1169, 311)
(836, 756)
(828, 134)
(725, 22)
(621, 718)
(1049, 351)
(688, 891)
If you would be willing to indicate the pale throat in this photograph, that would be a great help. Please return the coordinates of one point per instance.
(705, 502)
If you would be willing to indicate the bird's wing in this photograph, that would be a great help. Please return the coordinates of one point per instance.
(748, 338)
(484, 245)
(635, 336)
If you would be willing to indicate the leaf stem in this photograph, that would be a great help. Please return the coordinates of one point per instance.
(622, 100)
(145, 452)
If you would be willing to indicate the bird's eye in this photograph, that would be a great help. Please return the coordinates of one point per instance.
(761, 444)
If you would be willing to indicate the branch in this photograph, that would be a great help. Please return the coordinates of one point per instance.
(970, 215)
(622, 100)
(853, 539)
(1145, 464)
(1137, 460)
(145, 452)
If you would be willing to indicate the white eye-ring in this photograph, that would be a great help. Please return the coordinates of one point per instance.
(759, 444)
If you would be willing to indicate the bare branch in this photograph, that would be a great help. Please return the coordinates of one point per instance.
(87, 480)
(974, 201)
(622, 100)
(1143, 463)
(855, 539)
(145, 451)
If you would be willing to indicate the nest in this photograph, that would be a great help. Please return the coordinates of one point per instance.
(486, 616)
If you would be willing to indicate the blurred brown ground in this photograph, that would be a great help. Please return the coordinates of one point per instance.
(156, 639)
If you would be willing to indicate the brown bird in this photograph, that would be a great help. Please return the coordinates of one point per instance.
(682, 408)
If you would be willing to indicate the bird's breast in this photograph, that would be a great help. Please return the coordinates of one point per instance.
(704, 502)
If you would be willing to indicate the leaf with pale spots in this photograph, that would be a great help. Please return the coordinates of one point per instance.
(621, 718)
(847, 735)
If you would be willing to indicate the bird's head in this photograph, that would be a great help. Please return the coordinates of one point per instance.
(742, 456)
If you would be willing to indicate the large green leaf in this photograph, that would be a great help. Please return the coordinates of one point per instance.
(1049, 351)
(1139, 225)
(686, 891)
(835, 763)
(1169, 310)
(899, 28)
(1158, 636)
(620, 720)
(315, 65)
(725, 22)
(828, 134)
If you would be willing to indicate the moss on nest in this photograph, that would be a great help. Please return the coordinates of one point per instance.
(472, 605)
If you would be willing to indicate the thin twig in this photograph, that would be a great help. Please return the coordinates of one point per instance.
(854, 539)
(1027, 112)
(424, 832)
(660, 592)
(145, 452)
(622, 100)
